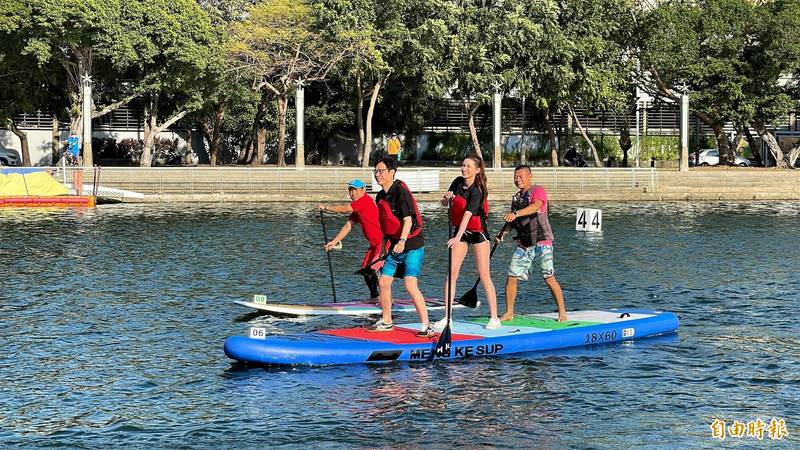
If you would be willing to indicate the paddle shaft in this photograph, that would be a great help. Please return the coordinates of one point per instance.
(491, 253)
(328, 254)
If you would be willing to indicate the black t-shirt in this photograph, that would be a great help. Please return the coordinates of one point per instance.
(402, 204)
(471, 194)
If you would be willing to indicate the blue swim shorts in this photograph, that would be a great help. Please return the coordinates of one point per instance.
(411, 260)
(524, 259)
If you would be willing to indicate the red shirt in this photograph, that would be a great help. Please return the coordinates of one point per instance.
(365, 212)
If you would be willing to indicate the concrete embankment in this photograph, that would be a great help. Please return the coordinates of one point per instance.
(271, 184)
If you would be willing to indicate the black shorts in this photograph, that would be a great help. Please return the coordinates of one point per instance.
(474, 237)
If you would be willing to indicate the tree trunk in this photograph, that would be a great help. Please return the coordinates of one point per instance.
(55, 142)
(723, 144)
(260, 149)
(255, 152)
(586, 138)
(793, 154)
(473, 132)
(207, 131)
(23, 142)
(360, 120)
(772, 144)
(77, 67)
(150, 127)
(215, 153)
(283, 105)
(551, 133)
(560, 137)
(368, 125)
(752, 142)
(625, 143)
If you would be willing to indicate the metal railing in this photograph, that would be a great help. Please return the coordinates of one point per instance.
(289, 183)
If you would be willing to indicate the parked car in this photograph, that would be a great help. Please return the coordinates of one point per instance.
(9, 157)
(710, 157)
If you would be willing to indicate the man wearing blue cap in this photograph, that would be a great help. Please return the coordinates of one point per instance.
(363, 211)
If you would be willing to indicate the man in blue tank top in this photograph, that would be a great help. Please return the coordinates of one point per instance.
(529, 218)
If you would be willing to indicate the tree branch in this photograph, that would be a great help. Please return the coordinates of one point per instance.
(114, 106)
(172, 120)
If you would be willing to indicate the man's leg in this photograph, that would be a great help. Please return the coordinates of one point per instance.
(419, 300)
(385, 284)
(518, 269)
(371, 280)
(511, 297)
(413, 266)
(558, 296)
(544, 259)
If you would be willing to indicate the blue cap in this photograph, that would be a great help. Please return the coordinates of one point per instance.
(358, 184)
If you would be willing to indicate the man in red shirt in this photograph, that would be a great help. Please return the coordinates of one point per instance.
(362, 211)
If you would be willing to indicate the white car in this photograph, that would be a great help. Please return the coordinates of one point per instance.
(9, 157)
(710, 157)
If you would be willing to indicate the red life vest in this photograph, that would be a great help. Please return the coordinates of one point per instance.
(391, 226)
(460, 207)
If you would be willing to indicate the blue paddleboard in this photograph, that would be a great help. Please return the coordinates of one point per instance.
(526, 333)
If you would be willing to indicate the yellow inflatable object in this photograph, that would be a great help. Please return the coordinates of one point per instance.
(35, 183)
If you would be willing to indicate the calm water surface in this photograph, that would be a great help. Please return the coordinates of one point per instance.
(112, 322)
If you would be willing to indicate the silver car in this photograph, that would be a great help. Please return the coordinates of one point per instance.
(9, 157)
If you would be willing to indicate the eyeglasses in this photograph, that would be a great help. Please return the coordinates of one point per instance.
(377, 171)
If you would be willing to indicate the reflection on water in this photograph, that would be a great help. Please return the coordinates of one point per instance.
(113, 321)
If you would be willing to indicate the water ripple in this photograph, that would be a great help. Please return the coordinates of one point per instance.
(113, 321)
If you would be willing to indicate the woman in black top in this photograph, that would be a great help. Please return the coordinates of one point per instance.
(469, 212)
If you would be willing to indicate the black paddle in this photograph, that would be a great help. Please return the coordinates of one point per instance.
(446, 337)
(470, 299)
(366, 270)
(330, 264)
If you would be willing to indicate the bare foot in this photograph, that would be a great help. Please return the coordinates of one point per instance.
(562, 317)
(507, 316)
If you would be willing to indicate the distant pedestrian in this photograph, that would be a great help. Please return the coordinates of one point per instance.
(393, 147)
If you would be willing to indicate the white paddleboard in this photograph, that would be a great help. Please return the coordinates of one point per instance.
(358, 308)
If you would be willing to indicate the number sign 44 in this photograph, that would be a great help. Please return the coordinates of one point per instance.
(588, 219)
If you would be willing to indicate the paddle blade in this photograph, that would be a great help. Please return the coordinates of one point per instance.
(364, 271)
(470, 299)
(443, 344)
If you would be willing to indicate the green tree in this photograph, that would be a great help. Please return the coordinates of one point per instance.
(175, 45)
(278, 46)
(579, 60)
(76, 36)
(230, 87)
(482, 53)
(730, 56)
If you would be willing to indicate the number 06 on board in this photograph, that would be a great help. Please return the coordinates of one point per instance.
(589, 220)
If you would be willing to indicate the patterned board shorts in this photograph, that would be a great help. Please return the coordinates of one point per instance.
(525, 259)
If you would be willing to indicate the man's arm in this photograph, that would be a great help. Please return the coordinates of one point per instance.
(339, 208)
(340, 235)
(533, 208)
(401, 244)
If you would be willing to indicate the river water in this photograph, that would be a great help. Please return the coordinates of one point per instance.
(113, 319)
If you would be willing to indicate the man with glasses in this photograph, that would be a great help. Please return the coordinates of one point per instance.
(401, 223)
